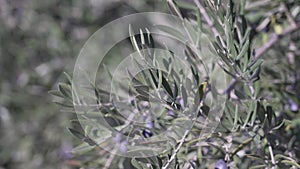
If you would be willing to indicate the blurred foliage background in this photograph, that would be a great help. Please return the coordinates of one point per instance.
(39, 41)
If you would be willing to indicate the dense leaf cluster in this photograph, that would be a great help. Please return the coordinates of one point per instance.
(255, 43)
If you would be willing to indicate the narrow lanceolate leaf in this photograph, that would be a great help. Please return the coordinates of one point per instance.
(228, 110)
(68, 77)
(287, 160)
(56, 93)
(191, 30)
(136, 164)
(249, 113)
(253, 118)
(64, 104)
(133, 79)
(77, 133)
(142, 37)
(229, 38)
(242, 2)
(257, 89)
(236, 116)
(133, 40)
(175, 90)
(205, 109)
(245, 63)
(153, 79)
(278, 126)
(108, 71)
(81, 149)
(228, 35)
(150, 39)
(171, 31)
(65, 90)
(141, 165)
(200, 93)
(184, 95)
(170, 67)
(166, 85)
(142, 90)
(261, 113)
(186, 5)
(255, 65)
(255, 76)
(270, 114)
(141, 67)
(216, 20)
(159, 74)
(194, 55)
(247, 91)
(255, 157)
(199, 20)
(191, 52)
(246, 35)
(222, 54)
(195, 73)
(174, 9)
(243, 51)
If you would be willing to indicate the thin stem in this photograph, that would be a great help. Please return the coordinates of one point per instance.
(179, 146)
(176, 150)
(273, 40)
(272, 156)
(110, 158)
(262, 50)
(231, 86)
(190, 38)
(288, 14)
(257, 4)
(240, 147)
(209, 21)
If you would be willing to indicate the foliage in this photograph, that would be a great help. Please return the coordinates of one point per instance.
(260, 125)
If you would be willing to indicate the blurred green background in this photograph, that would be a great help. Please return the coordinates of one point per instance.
(39, 41)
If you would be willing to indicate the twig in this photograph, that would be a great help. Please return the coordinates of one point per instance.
(193, 44)
(261, 51)
(272, 156)
(240, 147)
(288, 14)
(209, 21)
(273, 40)
(177, 149)
(111, 158)
(231, 86)
(257, 4)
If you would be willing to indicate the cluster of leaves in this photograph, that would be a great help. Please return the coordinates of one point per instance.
(258, 128)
